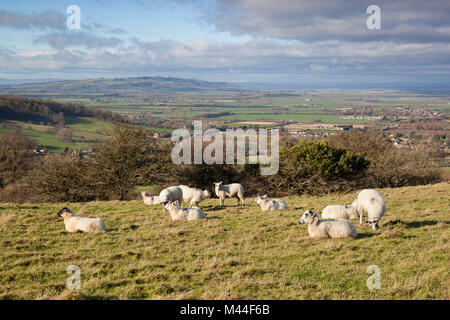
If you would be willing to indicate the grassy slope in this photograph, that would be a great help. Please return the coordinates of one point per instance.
(86, 131)
(235, 253)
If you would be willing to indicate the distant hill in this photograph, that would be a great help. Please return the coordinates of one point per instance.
(142, 86)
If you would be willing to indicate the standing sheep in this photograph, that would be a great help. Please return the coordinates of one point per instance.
(372, 202)
(178, 213)
(150, 200)
(171, 194)
(229, 190)
(334, 229)
(272, 205)
(335, 211)
(194, 195)
(74, 224)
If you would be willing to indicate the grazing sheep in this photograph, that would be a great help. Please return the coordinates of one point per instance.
(272, 205)
(335, 211)
(150, 200)
(171, 194)
(74, 224)
(179, 213)
(229, 190)
(327, 228)
(372, 202)
(194, 195)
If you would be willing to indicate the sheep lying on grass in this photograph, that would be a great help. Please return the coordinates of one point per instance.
(74, 224)
(194, 195)
(171, 194)
(327, 228)
(372, 202)
(270, 204)
(150, 200)
(337, 211)
(179, 213)
(229, 190)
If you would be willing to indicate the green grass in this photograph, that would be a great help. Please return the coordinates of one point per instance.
(236, 253)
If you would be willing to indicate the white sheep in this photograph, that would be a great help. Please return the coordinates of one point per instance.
(171, 194)
(335, 211)
(194, 195)
(270, 204)
(74, 224)
(372, 202)
(178, 213)
(229, 190)
(150, 200)
(317, 228)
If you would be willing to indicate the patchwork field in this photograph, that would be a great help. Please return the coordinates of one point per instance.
(237, 252)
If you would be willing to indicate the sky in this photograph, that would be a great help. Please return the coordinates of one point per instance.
(278, 43)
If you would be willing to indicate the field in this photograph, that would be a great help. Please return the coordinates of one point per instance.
(236, 253)
(87, 132)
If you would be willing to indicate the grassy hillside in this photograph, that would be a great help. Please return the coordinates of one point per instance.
(235, 253)
(86, 131)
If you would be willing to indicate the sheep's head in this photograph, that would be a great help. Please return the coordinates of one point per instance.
(374, 224)
(206, 193)
(65, 212)
(259, 199)
(351, 209)
(308, 217)
(172, 205)
(217, 185)
(145, 194)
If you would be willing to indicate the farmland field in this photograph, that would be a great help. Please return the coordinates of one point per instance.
(236, 253)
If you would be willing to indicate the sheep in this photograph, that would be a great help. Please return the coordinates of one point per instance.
(337, 211)
(230, 191)
(373, 203)
(150, 200)
(74, 224)
(178, 213)
(171, 194)
(334, 229)
(192, 195)
(272, 205)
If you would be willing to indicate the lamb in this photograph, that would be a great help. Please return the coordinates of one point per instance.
(74, 224)
(178, 213)
(194, 195)
(334, 229)
(272, 205)
(171, 194)
(230, 191)
(150, 200)
(373, 203)
(338, 211)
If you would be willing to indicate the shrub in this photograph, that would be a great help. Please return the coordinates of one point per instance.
(316, 168)
(65, 135)
(64, 178)
(389, 166)
(16, 156)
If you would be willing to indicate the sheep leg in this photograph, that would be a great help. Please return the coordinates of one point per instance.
(221, 202)
(360, 219)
